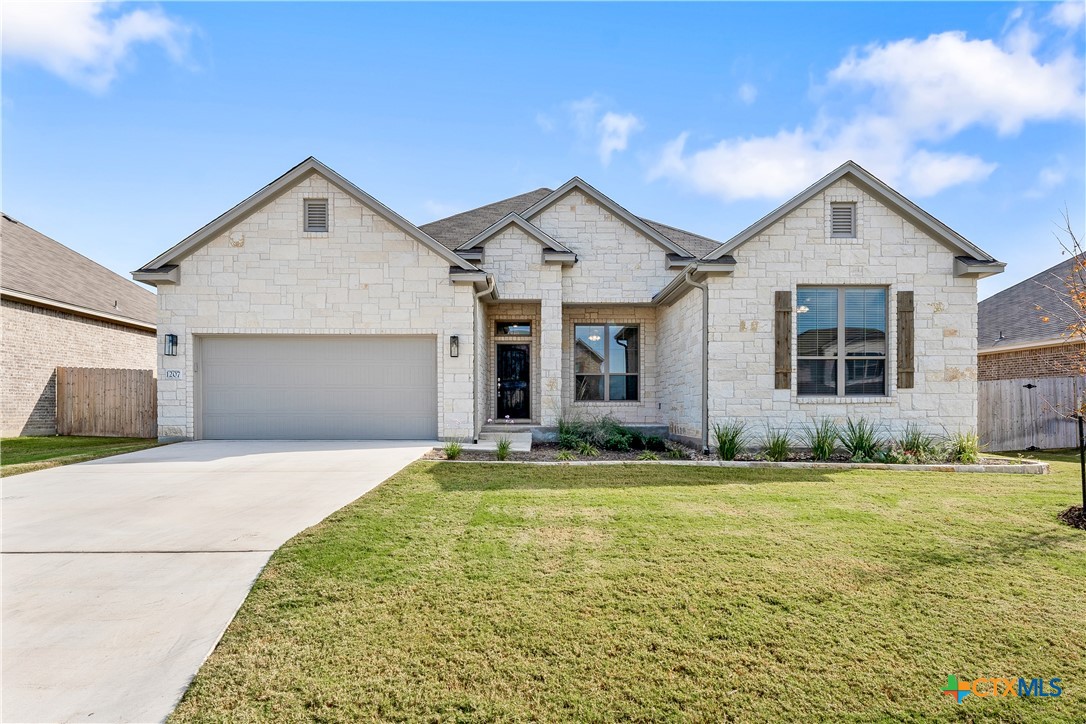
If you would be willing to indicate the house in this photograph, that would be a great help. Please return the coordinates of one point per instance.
(60, 309)
(312, 310)
(1023, 330)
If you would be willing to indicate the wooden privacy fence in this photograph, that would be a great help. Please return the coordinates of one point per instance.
(1029, 412)
(106, 402)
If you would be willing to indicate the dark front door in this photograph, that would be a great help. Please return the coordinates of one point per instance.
(514, 393)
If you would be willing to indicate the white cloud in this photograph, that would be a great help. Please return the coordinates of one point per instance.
(1048, 178)
(917, 93)
(1068, 14)
(87, 43)
(748, 93)
(614, 133)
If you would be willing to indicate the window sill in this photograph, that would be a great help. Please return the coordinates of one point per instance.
(846, 399)
(596, 403)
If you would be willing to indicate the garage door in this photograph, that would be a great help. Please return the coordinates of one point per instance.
(318, 388)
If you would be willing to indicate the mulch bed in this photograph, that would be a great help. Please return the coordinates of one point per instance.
(548, 452)
(1075, 516)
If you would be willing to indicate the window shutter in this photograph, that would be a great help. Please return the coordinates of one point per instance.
(782, 334)
(843, 220)
(906, 357)
(316, 215)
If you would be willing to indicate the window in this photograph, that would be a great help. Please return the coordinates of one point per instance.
(841, 341)
(843, 221)
(513, 329)
(606, 361)
(316, 215)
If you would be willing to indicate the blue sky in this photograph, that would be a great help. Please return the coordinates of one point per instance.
(128, 126)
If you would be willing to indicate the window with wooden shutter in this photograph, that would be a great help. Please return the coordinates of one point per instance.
(841, 341)
(843, 221)
(316, 215)
(906, 356)
(782, 344)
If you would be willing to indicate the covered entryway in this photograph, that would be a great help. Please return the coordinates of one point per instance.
(310, 387)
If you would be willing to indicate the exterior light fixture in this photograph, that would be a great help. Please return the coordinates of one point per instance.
(593, 338)
(169, 347)
(454, 346)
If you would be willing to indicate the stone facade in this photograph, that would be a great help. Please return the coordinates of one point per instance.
(37, 340)
(680, 330)
(887, 251)
(1062, 360)
(364, 276)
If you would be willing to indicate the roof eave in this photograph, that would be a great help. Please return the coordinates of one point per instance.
(164, 275)
(40, 301)
(698, 271)
(971, 268)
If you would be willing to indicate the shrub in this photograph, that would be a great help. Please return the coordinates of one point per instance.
(675, 452)
(776, 445)
(568, 441)
(655, 443)
(565, 455)
(731, 438)
(964, 447)
(821, 438)
(648, 455)
(587, 449)
(572, 426)
(918, 444)
(453, 450)
(637, 439)
(617, 441)
(861, 440)
(504, 446)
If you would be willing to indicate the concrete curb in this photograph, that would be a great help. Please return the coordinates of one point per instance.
(1033, 468)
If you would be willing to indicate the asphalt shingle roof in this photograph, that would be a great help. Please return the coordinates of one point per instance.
(459, 228)
(32, 263)
(1013, 312)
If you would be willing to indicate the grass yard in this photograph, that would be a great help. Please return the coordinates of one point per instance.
(485, 592)
(24, 454)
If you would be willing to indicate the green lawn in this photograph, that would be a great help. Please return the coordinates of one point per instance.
(485, 592)
(23, 454)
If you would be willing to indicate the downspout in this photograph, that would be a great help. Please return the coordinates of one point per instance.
(474, 344)
(689, 279)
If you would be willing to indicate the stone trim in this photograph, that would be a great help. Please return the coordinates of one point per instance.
(1035, 468)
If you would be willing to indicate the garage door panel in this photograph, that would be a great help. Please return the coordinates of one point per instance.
(312, 387)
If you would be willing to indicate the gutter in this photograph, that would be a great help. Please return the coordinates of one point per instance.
(38, 301)
(688, 278)
(490, 282)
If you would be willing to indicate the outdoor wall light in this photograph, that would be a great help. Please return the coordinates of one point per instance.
(454, 346)
(169, 347)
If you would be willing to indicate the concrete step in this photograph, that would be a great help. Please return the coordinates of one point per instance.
(517, 438)
(491, 445)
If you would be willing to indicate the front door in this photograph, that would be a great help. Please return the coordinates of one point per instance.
(514, 392)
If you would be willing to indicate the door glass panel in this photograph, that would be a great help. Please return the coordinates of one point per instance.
(513, 329)
(622, 350)
(588, 349)
(589, 387)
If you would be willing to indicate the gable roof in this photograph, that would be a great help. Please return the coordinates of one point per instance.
(309, 166)
(40, 270)
(514, 219)
(454, 231)
(578, 184)
(1013, 313)
(880, 190)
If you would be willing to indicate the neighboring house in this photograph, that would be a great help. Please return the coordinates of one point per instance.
(311, 310)
(1023, 330)
(60, 309)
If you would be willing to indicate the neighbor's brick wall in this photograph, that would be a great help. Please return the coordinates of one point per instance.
(36, 341)
(365, 276)
(679, 354)
(889, 251)
(1065, 360)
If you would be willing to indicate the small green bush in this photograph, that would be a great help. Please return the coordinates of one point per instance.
(918, 444)
(776, 445)
(618, 442)
(648, 455)
(861, 440)
(731, 438)
(504, 446)
(655, 443)
(565, 456)
(677, 453)
(452, 450)
(568, 441)
(820, 438)
(964, 447)
(587, 449)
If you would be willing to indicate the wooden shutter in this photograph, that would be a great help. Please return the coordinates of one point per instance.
(316, 215)
(782, 336)
(906, 357)
(843, 220)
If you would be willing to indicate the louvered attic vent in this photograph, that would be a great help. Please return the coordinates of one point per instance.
(843, 220)
(316, 214)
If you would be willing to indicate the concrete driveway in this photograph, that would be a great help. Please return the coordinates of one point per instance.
(120, 575)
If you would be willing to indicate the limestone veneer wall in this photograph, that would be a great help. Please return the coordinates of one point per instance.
(679, 330)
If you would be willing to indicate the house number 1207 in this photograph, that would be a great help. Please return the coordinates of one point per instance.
(171, 374)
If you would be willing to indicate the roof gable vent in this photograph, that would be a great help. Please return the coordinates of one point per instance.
(843, 220)
(316, 215)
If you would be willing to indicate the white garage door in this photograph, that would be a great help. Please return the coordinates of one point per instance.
(318, 388)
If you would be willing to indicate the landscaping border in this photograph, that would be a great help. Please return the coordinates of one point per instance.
(1030, 468)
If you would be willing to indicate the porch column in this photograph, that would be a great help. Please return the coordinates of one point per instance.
(550, 360)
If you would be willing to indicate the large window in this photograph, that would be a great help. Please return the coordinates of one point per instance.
(841, 341)
(606, 361)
